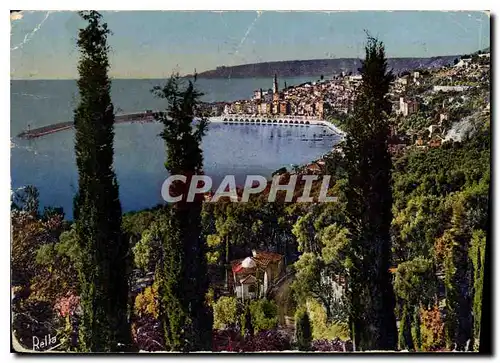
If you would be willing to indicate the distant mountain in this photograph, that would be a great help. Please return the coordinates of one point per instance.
(317, 67)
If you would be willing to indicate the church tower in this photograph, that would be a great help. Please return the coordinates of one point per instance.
(276, 94)
(275, 84)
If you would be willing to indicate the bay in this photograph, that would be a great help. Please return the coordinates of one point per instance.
(49, 162)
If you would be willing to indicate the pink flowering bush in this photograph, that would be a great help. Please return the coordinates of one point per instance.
(67, 305)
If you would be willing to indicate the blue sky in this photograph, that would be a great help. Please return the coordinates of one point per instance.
(150, 44)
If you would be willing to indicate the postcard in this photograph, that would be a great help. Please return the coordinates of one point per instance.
(250, 181)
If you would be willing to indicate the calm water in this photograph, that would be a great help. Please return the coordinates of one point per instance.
(49, 162)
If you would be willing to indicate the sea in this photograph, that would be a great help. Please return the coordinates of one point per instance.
(49, 163)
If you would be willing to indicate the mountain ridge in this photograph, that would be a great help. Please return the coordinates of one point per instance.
(317, 67)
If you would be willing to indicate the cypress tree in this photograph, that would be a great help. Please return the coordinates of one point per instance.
(369, 203)
(246, 326)
(303, 331)
(405, 338)
(458, 322)
(97, 210)
(477, 255)
(184, 312)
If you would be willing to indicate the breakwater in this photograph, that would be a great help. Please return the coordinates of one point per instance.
(226, 119)
(61, 126)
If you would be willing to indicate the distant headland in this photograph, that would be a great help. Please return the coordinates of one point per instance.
(317, 67)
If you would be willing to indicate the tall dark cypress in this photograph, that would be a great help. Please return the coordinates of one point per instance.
(303, 331)
(184, 281)
(97, 210)
(369, 203)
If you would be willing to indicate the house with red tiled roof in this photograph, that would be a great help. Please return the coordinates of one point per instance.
(314, 168)
(253, 276)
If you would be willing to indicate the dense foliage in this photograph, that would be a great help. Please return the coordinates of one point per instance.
(440, 210)
(267, 340)
(146, 302)
(264, 315)
(225, 312)
(335, 345)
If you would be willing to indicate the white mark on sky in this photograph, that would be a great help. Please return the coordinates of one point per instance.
(452, 17)
(245, 36)
(250, 27)
(28, 36)
(478, 19)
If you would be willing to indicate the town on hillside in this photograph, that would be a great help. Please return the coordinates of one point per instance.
(429, 106)
(423, 99)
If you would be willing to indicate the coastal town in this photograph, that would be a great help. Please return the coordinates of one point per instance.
(425, 102)
(313, 99)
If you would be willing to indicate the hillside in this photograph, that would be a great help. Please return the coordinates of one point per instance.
(316, 67)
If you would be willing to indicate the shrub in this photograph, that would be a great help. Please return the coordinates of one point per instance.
(146, 302)
(209, 297)
(264, 315)
(225, 312)
(268, 340)
(67, 305)
(246, 321)
(230, 340)
(303, 330)
(335, 345)
(432, 329)
(68, 308)
(227, 340)
(147, 334)
(321, 328)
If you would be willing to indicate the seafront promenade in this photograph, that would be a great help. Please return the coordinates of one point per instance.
(275, 120)
(226, 119)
